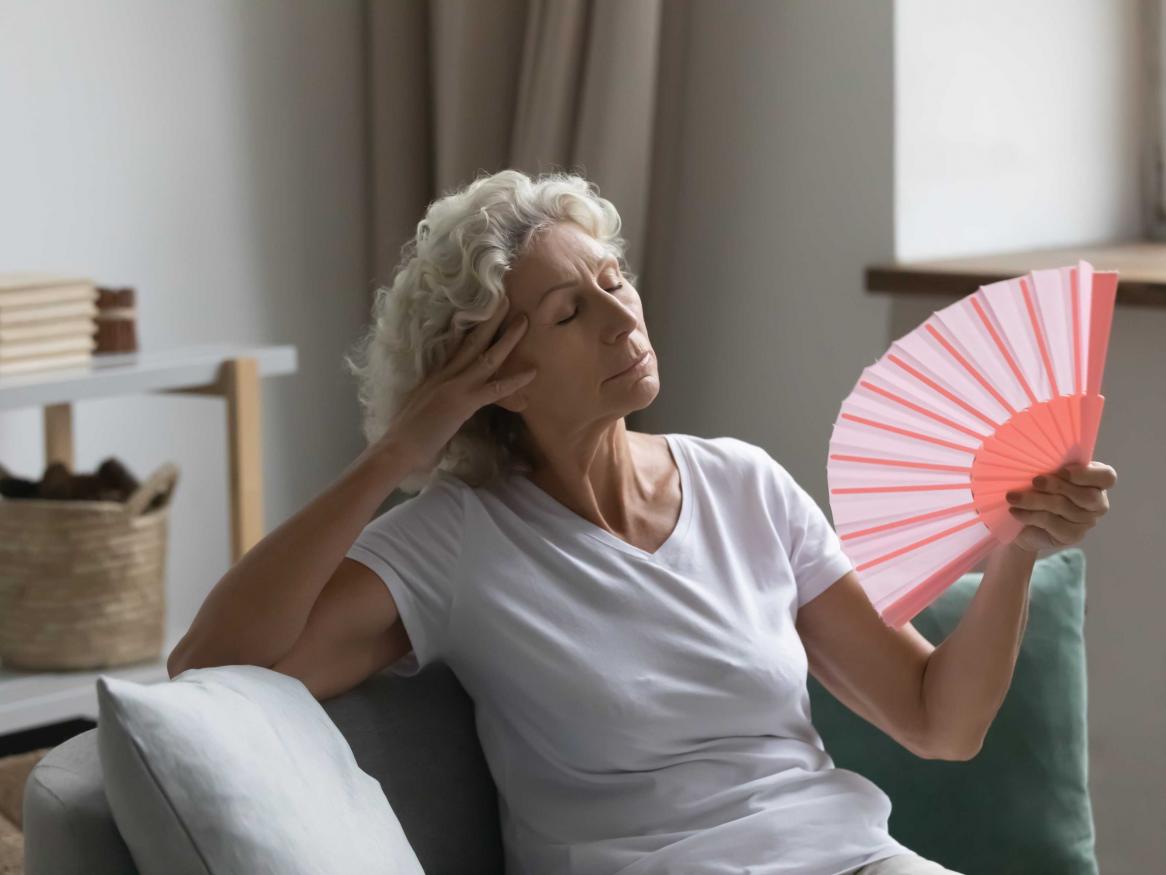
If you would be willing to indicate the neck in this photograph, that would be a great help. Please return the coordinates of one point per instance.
(593, 472)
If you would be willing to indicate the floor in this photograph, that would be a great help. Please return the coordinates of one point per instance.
(13, 774)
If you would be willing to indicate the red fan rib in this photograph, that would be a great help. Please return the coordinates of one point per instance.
(1016, 372)
(1076, 330)
(1039, 334)
(908, 433)
(1046, 360)
(906, 521)
(967, 366)
(920, 409)
(899, 463)
(922, 487)
(886, 557)
(946, 393)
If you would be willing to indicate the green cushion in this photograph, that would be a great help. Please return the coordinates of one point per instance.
(1022, 804)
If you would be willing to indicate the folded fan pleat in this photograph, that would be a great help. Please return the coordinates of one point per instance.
(986, 394)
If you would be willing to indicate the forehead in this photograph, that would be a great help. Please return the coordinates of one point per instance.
(554, 253)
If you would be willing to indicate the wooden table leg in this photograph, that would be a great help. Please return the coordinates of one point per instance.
(240, 385)
(59, 434)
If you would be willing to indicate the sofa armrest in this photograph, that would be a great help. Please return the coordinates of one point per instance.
(68, 826)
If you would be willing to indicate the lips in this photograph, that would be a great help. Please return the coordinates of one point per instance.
(635, 362)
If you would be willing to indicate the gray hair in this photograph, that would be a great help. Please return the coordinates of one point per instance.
(448, 280)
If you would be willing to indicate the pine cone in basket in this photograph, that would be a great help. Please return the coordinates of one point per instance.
(111, 482)
(16, 487)
(57, 482)
(118, 478)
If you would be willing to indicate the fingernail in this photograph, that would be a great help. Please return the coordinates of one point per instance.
(1039, 482)
(1012, 496)
(1015, 511)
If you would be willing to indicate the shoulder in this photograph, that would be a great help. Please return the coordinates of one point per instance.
(751, 467)
(440, 502)
(727, 453)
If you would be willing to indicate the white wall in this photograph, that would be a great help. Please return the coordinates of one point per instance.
(210, 155)
(1017, 126)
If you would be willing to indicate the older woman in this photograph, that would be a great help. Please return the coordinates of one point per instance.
(634, 615)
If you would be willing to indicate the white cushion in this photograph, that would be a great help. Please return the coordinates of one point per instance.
(238, 769)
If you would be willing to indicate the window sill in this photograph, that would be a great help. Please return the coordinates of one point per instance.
(1141, 265)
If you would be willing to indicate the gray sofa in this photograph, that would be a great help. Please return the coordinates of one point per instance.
(415, 735)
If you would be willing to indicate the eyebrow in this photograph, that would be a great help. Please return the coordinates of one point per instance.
(600, 260)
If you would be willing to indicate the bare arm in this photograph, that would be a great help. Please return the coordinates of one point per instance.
(969, 673)
(937, 702)
(257, 611)
(872, 668)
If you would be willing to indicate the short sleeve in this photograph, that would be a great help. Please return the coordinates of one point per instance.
(815, 550)
(414, 547)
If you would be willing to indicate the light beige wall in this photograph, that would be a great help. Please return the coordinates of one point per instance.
(1019, 125)
(210, 155)
(817, 138)
(781, 172)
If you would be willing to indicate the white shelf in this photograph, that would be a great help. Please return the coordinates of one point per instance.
(36, 698)
(131, 373)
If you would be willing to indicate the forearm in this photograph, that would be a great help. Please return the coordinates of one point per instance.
(968, 674)
(256, 612)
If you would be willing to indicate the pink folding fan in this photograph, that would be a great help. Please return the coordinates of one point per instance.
(986, 394)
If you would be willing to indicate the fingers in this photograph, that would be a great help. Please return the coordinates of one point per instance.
(478, 338)
(491, 360)
(1058, 528)
(500, 388)
(1088, 498)
(1095, 474)
(1055, 503)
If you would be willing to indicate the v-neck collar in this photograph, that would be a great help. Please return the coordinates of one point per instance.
(671, 543)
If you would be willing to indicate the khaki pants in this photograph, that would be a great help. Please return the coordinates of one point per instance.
(904, 864)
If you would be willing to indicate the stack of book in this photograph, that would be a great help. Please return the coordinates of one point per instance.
(46, 321)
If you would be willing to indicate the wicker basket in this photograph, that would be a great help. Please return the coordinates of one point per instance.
(82, 583)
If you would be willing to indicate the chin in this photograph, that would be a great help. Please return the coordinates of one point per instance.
(640, 395)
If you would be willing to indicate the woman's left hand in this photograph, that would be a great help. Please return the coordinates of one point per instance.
(1061, 507)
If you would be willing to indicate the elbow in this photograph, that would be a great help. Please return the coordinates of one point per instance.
(955, 750)
(176, 662)
(185, 656)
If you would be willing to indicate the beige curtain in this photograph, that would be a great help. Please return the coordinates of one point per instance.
(456, 87)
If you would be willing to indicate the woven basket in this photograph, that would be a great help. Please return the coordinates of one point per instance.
(82, 583)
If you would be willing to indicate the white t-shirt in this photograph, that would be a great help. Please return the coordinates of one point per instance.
(641, 713)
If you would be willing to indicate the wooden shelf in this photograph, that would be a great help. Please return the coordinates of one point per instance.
(1141, 265)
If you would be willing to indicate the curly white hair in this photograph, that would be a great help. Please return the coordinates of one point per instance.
(448, 280)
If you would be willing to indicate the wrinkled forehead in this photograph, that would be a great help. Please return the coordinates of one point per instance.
(553, 255)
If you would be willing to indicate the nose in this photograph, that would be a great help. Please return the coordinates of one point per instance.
(624, 319)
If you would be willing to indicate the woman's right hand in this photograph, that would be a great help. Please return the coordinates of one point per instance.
(439, 405)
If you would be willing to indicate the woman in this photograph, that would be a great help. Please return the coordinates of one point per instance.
(634, 615)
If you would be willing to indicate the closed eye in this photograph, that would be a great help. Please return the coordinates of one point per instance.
(575, 313)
